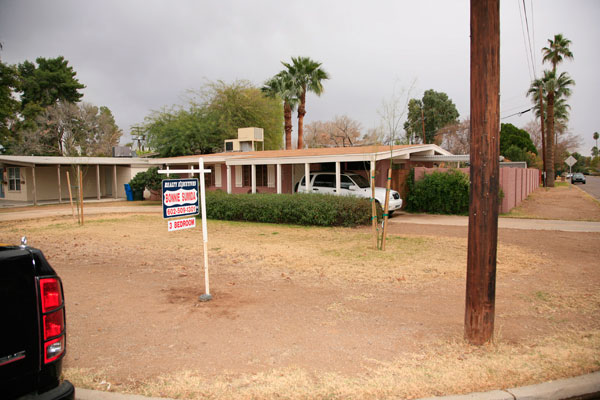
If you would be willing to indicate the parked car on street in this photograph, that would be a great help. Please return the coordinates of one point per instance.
(578, 177)
(33, 335)
(351, 185)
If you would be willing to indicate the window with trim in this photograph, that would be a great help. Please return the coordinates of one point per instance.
(262, 175)
(14, 179)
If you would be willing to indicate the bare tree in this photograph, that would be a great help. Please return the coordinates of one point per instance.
(455, 137)
(341, 132)
(391, 115)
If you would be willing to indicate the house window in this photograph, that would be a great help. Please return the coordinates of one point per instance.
(14, 179)
(209, 179)
(262, 175)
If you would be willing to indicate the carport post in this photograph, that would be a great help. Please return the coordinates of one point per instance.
(98, 181)
(338, 179)
(278, 178)
(307, 177)
(228, 179)
(253, 170)
(59, 185)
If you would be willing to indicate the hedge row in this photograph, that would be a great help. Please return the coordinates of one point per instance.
(296, 209)
(439, 193)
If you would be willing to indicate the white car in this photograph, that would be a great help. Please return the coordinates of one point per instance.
(351, 185)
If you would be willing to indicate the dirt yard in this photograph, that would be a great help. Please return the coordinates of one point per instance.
(313, 312)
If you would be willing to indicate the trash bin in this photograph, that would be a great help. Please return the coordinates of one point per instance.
(128, 192)
(138, 195)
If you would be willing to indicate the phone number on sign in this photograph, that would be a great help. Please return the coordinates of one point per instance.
(181, 210)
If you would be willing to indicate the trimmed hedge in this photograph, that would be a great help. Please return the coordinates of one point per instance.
(439, 193)
(296, 209)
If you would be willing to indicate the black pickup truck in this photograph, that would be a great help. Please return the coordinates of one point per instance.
(32, 328)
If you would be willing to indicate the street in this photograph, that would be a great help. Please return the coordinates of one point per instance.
(592, 186)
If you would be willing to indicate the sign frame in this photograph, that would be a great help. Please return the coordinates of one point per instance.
(182, 208)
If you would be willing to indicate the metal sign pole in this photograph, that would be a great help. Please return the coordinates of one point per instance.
(206, 296)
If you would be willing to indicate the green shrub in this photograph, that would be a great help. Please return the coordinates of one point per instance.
(297, 209)
(150, 179)
(439, 193)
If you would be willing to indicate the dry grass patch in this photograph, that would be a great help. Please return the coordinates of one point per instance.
(445, 368)
(342, 255)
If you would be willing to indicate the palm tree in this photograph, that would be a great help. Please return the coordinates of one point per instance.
(281, 85)
(596, 136)
(307, 75)
(557, 50)
(555, 89)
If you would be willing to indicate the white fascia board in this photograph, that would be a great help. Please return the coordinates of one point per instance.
(43, 160)
(300, 160)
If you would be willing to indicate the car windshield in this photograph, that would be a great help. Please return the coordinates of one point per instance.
(360, 180)
(578, 175)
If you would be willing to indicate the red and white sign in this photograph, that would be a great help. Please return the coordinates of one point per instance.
(180, 197)
(178, 224)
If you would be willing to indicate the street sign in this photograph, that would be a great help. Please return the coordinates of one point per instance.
(180, 197)
(184, 223)
(571, 161)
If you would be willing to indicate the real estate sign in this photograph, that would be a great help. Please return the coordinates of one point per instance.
(180, 197)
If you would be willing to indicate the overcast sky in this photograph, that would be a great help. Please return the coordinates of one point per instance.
(136, 56)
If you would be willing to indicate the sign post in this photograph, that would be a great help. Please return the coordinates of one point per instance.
(570, 162)
(180, 198)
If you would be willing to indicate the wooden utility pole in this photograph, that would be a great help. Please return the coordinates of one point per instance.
(483, 202)
(543, 136)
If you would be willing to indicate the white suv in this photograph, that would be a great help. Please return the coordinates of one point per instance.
(351, 185)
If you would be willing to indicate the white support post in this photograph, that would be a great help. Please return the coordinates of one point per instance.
(278, 178)
(338, 179)
(307, 184)
(228, 179)
(98, 181)
(115, 181)
(207, 295)
(167, 170)
(34, 185)
(253, 169)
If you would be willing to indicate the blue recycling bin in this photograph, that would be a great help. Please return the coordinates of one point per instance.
(128, 192)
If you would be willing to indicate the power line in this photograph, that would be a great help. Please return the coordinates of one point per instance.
(529, 39)
(529, 69)
(518, 113)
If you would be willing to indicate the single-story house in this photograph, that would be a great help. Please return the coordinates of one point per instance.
(34, 178)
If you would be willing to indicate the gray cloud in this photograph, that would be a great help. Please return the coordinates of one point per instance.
(135, 56)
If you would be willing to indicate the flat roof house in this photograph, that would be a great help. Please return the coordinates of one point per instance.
(34, 178)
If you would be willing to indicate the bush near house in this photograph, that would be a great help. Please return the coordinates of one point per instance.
(296, 209)
(439, 193)
(150, 179)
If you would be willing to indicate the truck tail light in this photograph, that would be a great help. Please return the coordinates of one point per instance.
(54, 324)
(51, 294)
(53, 320)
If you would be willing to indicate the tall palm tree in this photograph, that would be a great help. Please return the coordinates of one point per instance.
(557, 50)
(307, 75)
(282, 86)
(596, 136)
(555, 89)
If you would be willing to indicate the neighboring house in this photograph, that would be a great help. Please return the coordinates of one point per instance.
(36, 178)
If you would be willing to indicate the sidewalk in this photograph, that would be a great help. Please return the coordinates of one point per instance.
(579, 387)
(503, 223)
